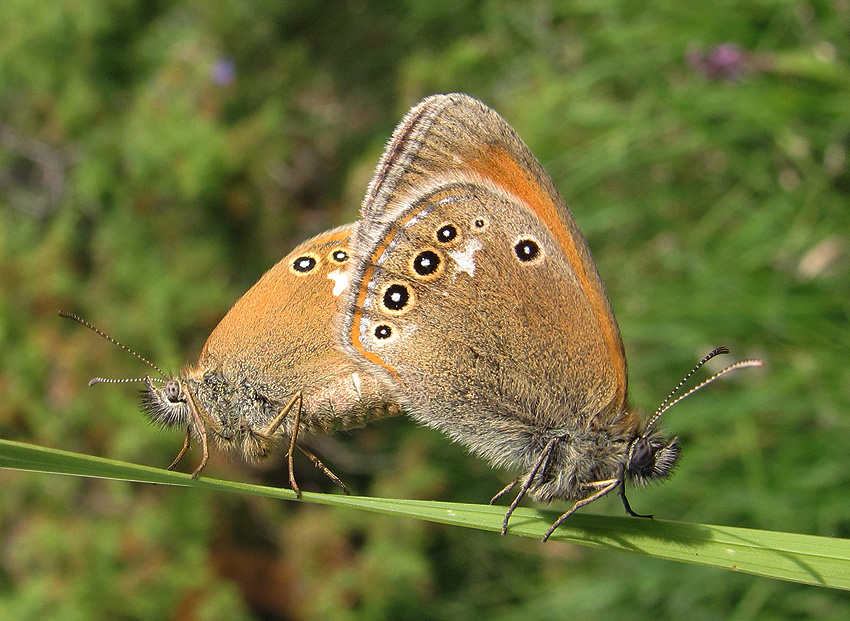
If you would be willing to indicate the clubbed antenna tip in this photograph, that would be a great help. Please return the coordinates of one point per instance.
(667, 403)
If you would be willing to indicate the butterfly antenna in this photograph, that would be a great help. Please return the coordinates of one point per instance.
(667, 403)
(712, 354)
(102, 380)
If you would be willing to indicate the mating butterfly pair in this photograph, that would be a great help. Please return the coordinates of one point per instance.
(466, 297)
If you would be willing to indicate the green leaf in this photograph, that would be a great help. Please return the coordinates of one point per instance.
(808, 559)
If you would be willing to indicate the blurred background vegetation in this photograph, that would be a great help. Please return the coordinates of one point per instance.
(157, 157)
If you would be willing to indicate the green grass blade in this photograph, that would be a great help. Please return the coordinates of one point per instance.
(807, 559)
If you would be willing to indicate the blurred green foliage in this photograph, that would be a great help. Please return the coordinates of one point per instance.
(156, 158)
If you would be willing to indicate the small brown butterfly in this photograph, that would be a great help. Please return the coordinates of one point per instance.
(271, 369)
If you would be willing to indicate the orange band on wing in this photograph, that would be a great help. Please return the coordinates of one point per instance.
(354, 335)
(497, 165)
(338, 238)
(357, 315)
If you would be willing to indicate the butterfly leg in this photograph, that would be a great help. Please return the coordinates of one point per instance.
(626, 504)
(325, 469)
(603, 488)
(201, 431)
(293, 437)
(278, 420)
(504, 490)
(544, 457)
(266, 440)
(183, 450)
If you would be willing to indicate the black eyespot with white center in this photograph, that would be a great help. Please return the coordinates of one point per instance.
(304, 264)
(339, 256)
(527, 250)
(426, 263)
(396, 297)
(446, 233)
(383, 332)
(480, 223)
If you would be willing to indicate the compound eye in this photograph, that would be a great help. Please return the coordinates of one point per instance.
(172, 391)
(642, 454)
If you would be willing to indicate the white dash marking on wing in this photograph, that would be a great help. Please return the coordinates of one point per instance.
(340, 280)
(465, 257)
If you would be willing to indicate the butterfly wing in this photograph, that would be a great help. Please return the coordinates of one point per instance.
(277, 341)
(474, 291)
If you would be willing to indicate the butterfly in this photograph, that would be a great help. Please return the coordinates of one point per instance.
(270, 370)
(475, 300)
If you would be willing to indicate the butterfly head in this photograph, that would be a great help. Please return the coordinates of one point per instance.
(652, 457)
(168, 402)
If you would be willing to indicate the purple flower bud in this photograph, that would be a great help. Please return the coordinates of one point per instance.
(223, 72)
(723, 62)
